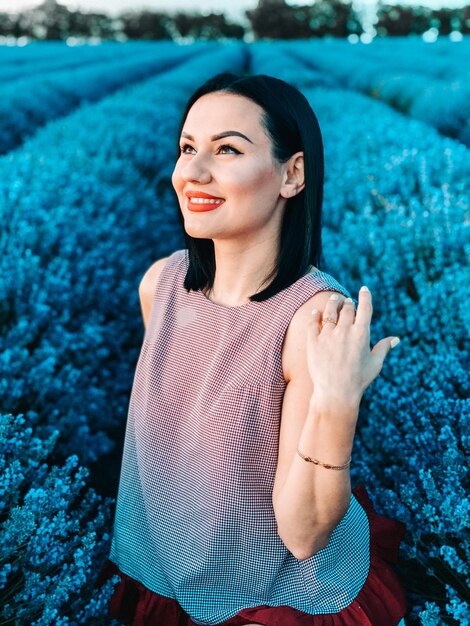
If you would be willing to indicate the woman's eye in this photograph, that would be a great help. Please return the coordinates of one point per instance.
(227, 145)
(222, 147)
(183, 148)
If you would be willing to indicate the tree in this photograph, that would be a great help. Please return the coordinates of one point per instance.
(465, 28)
(212, 26)
(400, 21)
(53, 21)
(146, 25)
(9, 25)
(274, 19)
(277, 20)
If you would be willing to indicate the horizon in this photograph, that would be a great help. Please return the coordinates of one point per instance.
(114, 7)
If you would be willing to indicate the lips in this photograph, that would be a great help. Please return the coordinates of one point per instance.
(212, 202)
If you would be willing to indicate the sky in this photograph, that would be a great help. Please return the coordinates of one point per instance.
(113, 7)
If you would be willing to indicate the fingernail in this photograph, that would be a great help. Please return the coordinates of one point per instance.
(394, 342)
(348, 300)
(314, 311)
(364, 288)
(334, 297)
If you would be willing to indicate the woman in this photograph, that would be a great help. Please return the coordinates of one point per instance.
(235, 503)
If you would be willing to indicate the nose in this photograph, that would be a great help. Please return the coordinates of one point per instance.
(196, 170)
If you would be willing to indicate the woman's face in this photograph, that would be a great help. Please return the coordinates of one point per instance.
(238, 170)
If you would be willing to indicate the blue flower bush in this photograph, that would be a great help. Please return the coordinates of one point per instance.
(49, 56)
(81, 209)
(17, 56)
(86, 206)
(288, 68)
(51, 533)
(433, 88)
(27, 104)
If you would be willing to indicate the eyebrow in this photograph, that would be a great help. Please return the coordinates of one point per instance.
(227, 133)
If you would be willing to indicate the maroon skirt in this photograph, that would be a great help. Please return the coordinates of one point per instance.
(380, 602)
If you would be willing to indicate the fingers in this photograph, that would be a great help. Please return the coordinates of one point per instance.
(383, 347)
(331, 311)
(313, 327)
(347, 313)
(330, 316)
(364, 307)
(341, 311)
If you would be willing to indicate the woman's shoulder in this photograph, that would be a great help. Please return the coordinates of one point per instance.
(152, 274)
(148, 286)
(326, 282)
(324, 286)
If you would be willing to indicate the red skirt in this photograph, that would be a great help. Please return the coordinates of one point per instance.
(380, 602)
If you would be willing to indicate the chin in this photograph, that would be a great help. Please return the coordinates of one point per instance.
(199, 233)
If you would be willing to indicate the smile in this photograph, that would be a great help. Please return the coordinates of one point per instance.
(203, 204)
(205, 201)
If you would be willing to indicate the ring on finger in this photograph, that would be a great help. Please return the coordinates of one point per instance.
(334, 297)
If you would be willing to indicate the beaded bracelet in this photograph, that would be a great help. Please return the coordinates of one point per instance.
(316, 462)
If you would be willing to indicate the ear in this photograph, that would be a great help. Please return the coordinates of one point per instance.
(294, 177)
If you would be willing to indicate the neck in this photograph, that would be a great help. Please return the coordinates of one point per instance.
(239, 274)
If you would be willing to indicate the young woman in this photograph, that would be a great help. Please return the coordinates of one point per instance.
(235, 504)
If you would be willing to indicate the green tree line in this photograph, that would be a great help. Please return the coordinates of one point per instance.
(271, 19)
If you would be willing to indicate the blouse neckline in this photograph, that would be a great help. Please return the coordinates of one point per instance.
(252, 303)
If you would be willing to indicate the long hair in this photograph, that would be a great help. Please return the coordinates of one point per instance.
(292, 126)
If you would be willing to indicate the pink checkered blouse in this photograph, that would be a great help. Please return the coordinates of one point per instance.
(194, 516)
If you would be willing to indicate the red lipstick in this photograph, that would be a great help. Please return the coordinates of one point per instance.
(200, 205)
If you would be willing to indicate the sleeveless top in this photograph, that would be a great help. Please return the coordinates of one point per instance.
(194, 519)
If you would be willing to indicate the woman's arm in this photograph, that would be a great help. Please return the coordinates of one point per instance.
(309, 500)
(313, 499)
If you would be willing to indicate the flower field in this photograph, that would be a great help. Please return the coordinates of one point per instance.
(87, 144)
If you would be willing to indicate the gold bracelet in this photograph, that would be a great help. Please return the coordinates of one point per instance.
(316, 462)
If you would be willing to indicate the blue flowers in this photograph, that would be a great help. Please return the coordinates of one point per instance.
(48, 547)
(54, 89)
(87, 206)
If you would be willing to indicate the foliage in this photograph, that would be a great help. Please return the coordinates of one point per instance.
(271, 19)
(27, 104)
(285, 21)
(395, 20)
(86, 205)
(51, 530)
(213, 26)
(434, 88)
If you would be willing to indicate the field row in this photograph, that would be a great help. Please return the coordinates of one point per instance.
(434, 88)
(49, 84)
(47, 93)
(86, 205)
